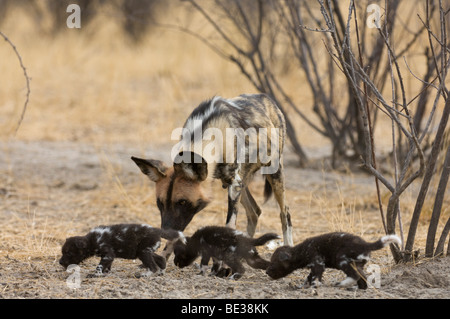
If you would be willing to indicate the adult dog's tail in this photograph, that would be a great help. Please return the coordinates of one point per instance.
(267, 190)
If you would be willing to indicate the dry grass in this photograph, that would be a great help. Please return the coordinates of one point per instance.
(91, 85)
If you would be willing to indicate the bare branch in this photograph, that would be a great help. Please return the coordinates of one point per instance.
(27, 79)
(440, 193)
(428, 175)
(315, 29)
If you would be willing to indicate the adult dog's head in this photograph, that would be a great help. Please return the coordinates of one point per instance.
(179, 190)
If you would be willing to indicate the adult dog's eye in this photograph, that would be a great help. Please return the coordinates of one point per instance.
(182, 202)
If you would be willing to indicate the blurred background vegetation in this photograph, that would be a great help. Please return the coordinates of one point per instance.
(156, 59)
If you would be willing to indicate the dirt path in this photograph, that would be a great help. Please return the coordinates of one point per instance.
(52, 190)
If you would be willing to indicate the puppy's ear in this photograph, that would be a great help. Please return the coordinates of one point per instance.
(81, 242)
(180, 246)
(191, 165)
(154, 169)
(284, 256)
(182, 242)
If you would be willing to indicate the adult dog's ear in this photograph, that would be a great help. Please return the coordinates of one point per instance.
(191, 165)
(154, 169)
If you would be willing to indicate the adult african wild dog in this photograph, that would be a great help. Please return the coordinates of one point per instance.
(243, 129)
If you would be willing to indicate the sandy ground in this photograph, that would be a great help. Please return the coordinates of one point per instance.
(53, 190)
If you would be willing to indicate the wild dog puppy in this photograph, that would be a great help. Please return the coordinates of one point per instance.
(222, 244)
(342, 251)
(128, 241)
(229, 140)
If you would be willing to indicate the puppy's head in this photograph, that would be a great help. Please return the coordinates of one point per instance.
(74, 251)
(184, 256)
(281, 263)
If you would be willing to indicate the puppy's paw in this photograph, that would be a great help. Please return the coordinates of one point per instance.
(96, 274)
(348, 283)
(203, 270)
(235, 276)
(149, 273)
(145, 274)
(223, 272)
(296, 286)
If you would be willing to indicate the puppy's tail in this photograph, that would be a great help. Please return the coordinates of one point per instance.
(384, 241)
(173, 235)
(264, 239)
(267, 190)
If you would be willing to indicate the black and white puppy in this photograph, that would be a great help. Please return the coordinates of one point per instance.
(222, 244)
(338, 250)
(128, 241)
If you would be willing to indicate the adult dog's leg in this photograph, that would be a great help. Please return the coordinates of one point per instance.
(276, 180)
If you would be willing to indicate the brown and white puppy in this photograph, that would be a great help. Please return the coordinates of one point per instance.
(254, 120)
(222, 244)
(338, 250)
(128, 241)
